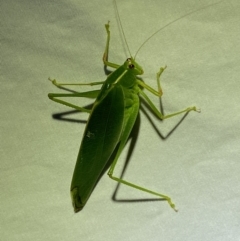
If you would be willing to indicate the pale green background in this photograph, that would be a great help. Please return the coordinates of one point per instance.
(198, 165)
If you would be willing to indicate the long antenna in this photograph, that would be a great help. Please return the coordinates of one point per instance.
(121, 27)
(173, 21)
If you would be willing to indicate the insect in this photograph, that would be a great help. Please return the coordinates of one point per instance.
(110, 122)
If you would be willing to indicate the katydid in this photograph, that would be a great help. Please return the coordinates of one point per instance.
(110, 122)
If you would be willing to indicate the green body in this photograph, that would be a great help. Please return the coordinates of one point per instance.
(110, 122)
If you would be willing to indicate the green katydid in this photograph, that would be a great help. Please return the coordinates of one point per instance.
(110, 122)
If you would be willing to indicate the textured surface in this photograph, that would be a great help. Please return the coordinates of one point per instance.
(198, 165)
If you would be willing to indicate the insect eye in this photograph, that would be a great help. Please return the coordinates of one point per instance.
(131, 66)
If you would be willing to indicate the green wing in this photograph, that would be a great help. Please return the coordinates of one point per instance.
(100, 138)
